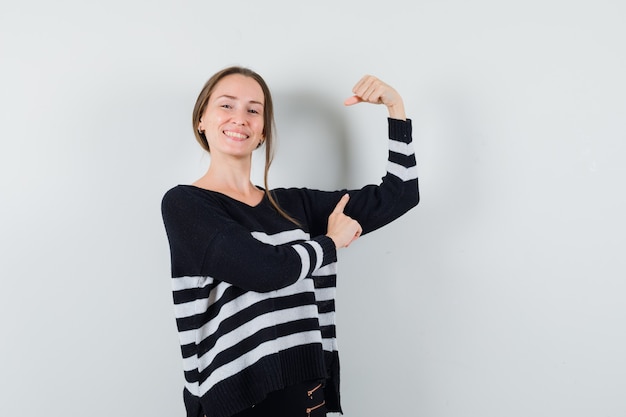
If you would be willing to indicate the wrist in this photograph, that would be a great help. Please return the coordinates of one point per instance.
(396, 111)
(334, 240)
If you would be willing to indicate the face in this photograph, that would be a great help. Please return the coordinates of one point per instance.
(233, 118)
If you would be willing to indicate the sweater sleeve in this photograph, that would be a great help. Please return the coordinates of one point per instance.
(374, 206)
(206, 241)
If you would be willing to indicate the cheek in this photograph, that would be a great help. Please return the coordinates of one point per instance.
(213, 123)
(260, 128)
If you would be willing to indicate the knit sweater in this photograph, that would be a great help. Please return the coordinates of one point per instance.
(254, 294)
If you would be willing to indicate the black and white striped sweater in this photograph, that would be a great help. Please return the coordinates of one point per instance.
(254, 294)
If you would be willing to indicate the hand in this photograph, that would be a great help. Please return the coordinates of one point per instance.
(370, 89)
(342, 229)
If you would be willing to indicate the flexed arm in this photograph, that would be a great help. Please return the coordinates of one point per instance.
(374, 206)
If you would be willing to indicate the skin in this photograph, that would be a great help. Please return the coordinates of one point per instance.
(233, 125)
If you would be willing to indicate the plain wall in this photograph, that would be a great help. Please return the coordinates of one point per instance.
(501, 294)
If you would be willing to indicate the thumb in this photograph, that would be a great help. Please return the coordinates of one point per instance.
(341, 205)
(352, 100)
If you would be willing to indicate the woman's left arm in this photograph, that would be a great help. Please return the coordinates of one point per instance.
(374, 206)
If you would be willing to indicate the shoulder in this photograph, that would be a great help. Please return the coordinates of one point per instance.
(180, 191)
(177, 195)
(189, 193)
(184, 200)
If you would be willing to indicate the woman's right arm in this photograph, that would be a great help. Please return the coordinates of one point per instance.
(205, 241)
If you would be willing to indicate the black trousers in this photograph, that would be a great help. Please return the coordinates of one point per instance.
(302, 400)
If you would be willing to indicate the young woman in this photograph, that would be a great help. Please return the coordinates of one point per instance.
(254, 269)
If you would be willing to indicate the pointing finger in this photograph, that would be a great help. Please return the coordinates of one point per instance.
(341, 205)
(352, 100)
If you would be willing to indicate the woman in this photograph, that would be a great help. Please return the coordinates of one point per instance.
(254, 270)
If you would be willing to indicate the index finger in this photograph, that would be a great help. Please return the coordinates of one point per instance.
(341, 205)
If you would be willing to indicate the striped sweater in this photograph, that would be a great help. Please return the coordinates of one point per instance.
(254, 294)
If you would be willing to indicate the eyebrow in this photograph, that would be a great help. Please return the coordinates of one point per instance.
(235, 98)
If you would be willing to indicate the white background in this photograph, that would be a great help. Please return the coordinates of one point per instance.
(501, 294)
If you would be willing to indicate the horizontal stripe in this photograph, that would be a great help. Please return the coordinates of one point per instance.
(328, 332)
(191, 375)
(325, 293)
(252, 342)
(326, 306)
(210, 305)
(263, 321)
(330, 345)
(189, 309)
(192, 387)
(282, 238)
(330, 269)
(188, 350)
(404, 160)
(216, 300)
(401, 147)
(183, 283)
(232, 323)
(231, 308)
(327, 319)
(405, 174)
(325, 281)
(221, 293)
(190, 294)
(253, 356)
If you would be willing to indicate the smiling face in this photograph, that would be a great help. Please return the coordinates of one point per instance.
(233, 118)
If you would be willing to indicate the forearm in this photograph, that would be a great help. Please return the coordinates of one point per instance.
(374, 206)
(396, 111)
(261, 265)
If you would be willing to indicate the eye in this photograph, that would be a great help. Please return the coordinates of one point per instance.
(254, 111)
(226, 106)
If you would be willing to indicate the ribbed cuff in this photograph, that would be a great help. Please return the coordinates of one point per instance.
(400, 130)
(328, 246)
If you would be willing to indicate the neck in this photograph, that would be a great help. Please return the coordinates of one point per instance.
(232, 178)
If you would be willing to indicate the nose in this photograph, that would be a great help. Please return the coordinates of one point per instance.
(240, 117)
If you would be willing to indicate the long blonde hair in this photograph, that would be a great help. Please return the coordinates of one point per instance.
(268, 123)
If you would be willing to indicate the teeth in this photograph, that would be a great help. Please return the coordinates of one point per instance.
(235, 135)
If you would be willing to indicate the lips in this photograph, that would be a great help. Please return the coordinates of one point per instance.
(235, 135)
